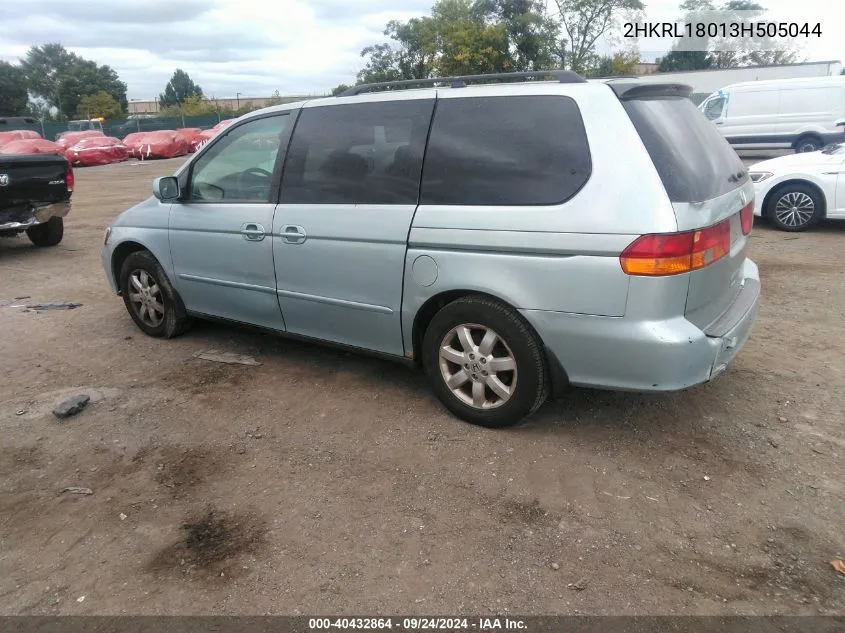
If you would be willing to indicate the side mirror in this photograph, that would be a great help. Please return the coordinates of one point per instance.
(166, 188)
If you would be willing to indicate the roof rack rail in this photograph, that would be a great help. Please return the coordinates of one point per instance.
(563, 76)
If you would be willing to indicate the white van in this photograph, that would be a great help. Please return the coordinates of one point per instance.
(796, 113)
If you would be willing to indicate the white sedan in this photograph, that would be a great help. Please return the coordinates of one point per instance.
(796, 191)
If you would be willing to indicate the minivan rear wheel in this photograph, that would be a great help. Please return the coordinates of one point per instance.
(795, 207)
(484, 362)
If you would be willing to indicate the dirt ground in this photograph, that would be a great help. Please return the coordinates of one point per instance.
(322, 482)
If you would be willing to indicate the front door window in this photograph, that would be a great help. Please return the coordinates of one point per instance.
(240, 166)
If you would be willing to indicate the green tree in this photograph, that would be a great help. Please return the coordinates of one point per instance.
(467, 43)
(676, 60)
(584, 22)
(86, 78)
(464, 37)
(101, 104)
(179, 88)
(531, 32)
(13, 89)
(274, 100)
(44, 67)
(61, 78)
(624, 63)
(340, 89)
(196, 105)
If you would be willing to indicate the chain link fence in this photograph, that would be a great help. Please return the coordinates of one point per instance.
(119, 128)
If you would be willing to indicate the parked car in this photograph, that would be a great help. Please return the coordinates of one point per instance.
(35, 192)
(494, 241)
(8, 123)
(795, 192)
(795, 113)
(83, 125)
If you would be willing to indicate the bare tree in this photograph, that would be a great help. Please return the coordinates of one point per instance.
(584, 22)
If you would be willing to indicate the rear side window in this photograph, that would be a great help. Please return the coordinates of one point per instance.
(521, 150)
(367, 153)
(693, 159)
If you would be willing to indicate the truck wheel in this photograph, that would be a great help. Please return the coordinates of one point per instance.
(809, 143)
(485, 364)
(151, 301)
(49, 233)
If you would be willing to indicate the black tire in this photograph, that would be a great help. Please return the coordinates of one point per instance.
(174, 318)
(48, 234)
(790, 221)
(809, 143)
(516, 339)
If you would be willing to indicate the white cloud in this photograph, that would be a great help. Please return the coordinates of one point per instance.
(227, 46)
(254, 46)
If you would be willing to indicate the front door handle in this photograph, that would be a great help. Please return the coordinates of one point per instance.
(293, 234)
(253, 232)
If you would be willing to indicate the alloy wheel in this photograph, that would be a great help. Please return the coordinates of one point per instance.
(478, 366)
(145, 297)
(795, 209)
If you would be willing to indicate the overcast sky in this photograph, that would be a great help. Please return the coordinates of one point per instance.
(257, 46)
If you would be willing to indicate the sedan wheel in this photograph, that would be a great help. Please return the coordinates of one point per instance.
(795, 207)
(478, 366)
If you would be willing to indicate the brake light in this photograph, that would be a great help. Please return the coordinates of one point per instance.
(69, 179)
(662, 254)
(746, 216)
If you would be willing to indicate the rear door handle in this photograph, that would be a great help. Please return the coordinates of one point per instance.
(253, 232)
(293, 234)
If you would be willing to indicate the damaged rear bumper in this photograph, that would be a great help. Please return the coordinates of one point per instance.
(20, 219)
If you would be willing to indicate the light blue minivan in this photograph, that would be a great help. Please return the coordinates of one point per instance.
(511, 237)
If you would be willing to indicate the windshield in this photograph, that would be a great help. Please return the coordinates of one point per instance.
(834, 148)
(693, 159)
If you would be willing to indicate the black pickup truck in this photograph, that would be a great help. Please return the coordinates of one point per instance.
(35, 195)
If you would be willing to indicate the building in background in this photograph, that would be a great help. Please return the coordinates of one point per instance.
(646, 68)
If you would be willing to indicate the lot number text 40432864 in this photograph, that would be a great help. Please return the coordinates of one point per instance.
(418, 624)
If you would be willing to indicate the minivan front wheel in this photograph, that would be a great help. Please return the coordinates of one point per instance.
(150, 299)
(484, 363)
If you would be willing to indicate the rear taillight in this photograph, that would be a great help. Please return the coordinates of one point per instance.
(662, 254)
(69, 179)
(746, 216)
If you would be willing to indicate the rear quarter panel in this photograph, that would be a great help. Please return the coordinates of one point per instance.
(561, 258)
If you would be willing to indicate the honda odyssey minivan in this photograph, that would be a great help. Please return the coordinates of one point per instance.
(511, 238)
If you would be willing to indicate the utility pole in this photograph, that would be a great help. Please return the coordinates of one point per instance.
(238, 99)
